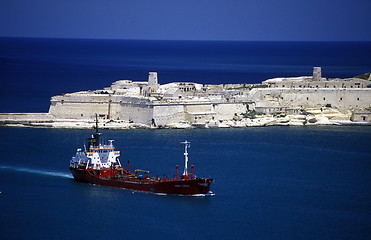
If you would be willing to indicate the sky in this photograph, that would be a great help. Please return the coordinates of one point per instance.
(236, 20)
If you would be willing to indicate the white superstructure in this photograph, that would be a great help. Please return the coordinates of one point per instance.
(97, 156)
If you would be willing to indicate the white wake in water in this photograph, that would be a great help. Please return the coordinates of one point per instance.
(40, 172)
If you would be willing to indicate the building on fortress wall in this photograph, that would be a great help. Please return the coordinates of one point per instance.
(150, 103)
(106, 106)
(316, 81)
(270, 100)
(308, 82)
(127, 104)
(312, 92)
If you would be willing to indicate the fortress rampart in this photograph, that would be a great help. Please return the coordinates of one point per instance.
(149, 104)
(342, 99)
(136, 110)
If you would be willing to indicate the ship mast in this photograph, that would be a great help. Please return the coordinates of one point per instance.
(96, 123)
(94, 140)
(186, 146)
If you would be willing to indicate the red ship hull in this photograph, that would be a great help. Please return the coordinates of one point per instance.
(197, 186)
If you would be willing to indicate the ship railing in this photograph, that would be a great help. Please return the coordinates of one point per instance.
(76, 164)
(104, 147)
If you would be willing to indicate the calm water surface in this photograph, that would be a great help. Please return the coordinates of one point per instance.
(270, 183)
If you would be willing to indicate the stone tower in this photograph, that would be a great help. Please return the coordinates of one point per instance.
(153, 82)
(317, 74)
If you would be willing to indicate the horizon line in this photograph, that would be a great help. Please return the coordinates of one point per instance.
(176, 40)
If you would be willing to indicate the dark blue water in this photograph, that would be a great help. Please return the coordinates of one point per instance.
(33, 70)
(270, 183)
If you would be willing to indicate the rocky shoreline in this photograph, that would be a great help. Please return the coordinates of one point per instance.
(309, 117)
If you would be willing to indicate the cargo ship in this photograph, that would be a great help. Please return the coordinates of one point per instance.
(99, 164)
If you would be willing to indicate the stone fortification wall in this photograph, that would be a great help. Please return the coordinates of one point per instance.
(25, 119)
(196, 112)
(85, 106)
(129, 104)
(361, 115)
(199, 113)
(228, 111)
(325, 84)
(342, 99)
(168, 113)
(227, 86)
(310, 82)
(26, 116)
(78, 109)
(134, 113)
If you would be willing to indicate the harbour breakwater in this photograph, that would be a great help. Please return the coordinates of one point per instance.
(126, 104)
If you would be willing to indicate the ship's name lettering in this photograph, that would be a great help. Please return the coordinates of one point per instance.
(181, 185)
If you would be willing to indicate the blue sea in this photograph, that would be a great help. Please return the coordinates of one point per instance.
(270, 182)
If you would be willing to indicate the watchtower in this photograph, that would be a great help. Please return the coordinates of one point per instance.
(153, 82)
(317, 74)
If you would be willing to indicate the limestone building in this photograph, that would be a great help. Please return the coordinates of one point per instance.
(150, 103)
(313, 92)
(147, 103)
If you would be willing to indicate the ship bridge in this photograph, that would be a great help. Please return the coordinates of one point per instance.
(97, 156)
(103, 156)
